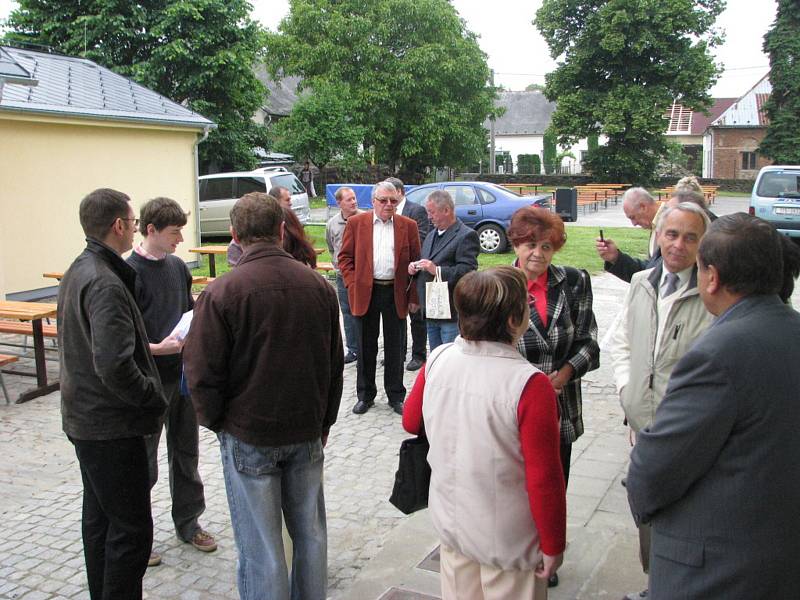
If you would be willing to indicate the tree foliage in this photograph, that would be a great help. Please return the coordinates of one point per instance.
(417, 77)
(320, 126)
(622, 64)
(198, 53)
(549, 150)
(782, 43)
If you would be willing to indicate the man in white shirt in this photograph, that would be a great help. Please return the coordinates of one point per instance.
(662, 316)
(377, 247)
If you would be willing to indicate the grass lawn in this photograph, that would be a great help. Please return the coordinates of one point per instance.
(317, 202)
(577, 252)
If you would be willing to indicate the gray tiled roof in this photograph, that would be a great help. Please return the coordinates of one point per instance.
(282, 94)
(527, 113)
(77, 87)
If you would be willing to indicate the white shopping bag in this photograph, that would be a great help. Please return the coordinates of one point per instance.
(437, 300)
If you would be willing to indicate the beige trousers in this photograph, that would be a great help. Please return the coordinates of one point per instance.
(465, 579)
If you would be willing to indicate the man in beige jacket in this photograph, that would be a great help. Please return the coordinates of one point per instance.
(661, 317)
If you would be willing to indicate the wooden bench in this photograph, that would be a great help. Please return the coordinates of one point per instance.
(589, 198)
(25, 328)
(6, 359)
(709, 193)
(595, 195)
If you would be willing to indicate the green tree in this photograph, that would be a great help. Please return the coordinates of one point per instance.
(782, 43)
(416, 75)
(549, 150)
(198, 53)
(622, 63)
(320, 127)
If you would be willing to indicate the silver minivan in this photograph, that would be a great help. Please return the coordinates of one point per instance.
(776, 198)
(219, 192)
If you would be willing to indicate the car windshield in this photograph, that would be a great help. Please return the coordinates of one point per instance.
(779, 184)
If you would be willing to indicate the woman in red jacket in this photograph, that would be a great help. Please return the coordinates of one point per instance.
(497, 497)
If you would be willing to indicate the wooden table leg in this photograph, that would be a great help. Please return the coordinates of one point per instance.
(212, 267)
(42, 387)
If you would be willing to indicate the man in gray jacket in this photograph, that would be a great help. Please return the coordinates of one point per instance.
(661, 317)
(453, 248)
(111, 397)
(717, 473)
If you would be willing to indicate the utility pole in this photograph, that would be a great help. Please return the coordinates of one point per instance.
(492, 165)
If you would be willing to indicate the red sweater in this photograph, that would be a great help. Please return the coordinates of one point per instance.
(539, 436)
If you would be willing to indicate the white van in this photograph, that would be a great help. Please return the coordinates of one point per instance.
(219, 192)
(776, 198)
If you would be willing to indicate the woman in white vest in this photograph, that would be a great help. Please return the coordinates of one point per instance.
(497, 494)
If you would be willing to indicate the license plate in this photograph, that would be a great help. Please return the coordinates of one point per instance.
(787, 210)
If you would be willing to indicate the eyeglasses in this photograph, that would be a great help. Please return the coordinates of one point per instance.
(391, 200)
(135, 221)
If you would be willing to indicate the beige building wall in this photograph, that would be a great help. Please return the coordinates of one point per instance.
(48, 164)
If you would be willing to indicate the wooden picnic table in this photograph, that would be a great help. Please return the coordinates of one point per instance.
(521, 187)
(196, 279)
(33, 312)
(212, 252)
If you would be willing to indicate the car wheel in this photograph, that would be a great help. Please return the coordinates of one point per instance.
(492, 239)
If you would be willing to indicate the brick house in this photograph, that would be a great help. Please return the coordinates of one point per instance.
(687, 127)
(731, 141)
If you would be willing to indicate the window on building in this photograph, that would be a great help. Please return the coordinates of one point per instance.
(748, 161)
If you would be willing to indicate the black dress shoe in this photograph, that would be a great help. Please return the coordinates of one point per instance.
(414, 364)
(362, 406)
(552, 581)
(397, 407)
(350, 357)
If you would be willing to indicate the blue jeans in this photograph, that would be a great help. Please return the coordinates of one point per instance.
(260, 482)
(441, 332)
(350, 331)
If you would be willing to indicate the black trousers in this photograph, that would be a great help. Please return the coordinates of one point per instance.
(419, 336)
(565, 450)
(381, 310)
(117, 524)
(183, 439)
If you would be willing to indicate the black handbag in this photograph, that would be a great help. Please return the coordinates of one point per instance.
(413, 478)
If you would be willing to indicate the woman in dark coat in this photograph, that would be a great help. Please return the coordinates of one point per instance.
(561, 339)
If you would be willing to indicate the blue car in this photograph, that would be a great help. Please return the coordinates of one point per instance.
(486, 207)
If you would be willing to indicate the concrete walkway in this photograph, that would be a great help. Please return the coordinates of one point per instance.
(373, 548)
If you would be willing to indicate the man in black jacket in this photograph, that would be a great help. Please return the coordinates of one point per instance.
(111, 397)
(642, 210)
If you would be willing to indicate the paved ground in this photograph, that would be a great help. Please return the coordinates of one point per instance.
(372, 547)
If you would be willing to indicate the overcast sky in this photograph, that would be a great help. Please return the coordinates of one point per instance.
(526, 59)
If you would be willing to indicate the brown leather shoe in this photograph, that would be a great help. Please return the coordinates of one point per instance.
(154, 560)
(203, 541)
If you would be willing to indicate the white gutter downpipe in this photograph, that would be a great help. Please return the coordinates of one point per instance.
(206, 130)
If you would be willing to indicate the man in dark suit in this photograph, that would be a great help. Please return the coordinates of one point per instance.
(451, 246)
(718, 473)
(642, 210)
(412, 210)
(377, 247)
